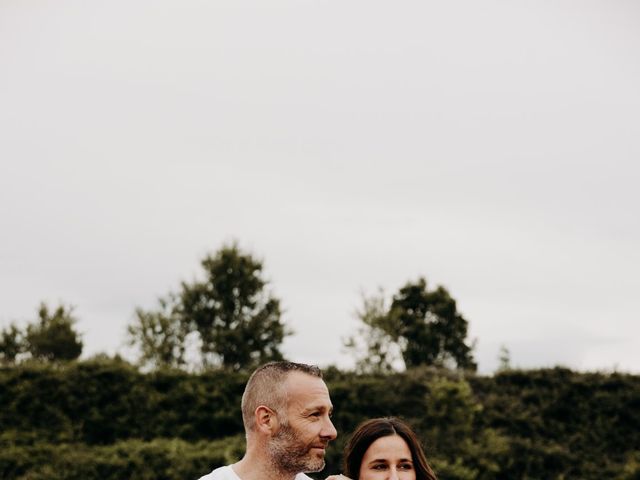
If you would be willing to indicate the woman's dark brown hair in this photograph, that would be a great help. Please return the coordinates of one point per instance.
(371, 430)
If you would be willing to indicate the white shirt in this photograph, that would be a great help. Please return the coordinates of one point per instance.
(227, 473)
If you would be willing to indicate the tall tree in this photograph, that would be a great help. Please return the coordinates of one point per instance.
(237, 321)
(423, 324)
(160, 335)
(433, 330)
(374, 349)
(52, 337)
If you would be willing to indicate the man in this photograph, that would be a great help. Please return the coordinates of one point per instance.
(286, 413)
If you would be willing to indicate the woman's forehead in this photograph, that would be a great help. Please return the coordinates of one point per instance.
(390, 447)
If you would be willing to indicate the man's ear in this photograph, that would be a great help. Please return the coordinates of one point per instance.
(266, 420)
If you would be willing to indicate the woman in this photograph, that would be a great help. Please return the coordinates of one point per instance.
(385, 449)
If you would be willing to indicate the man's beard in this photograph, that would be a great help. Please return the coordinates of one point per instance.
(289, 454)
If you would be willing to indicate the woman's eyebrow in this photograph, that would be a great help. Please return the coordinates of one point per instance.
(384, 460)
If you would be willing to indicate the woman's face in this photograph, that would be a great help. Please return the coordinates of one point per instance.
(388, 458)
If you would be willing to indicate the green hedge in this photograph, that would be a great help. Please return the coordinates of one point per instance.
(100, 403)
(101, 420)
(131, 459)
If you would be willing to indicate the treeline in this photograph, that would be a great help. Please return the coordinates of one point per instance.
(232, 320)
(107, 420)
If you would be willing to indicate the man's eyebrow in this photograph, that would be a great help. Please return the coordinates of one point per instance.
(321, 408)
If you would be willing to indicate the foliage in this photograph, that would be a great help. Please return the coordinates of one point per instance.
(159, 459)
(372, 347)
(424, 324)
(237, 321)
(562, 423)
(51, 338)
(160, 334)
(12, 344)
(431, 326)
(105, 419)
(631, 469)
(107, 401)
(504, 359)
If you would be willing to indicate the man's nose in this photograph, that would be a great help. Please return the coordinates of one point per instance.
(329, 431)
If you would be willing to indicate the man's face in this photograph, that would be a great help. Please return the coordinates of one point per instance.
(300, 442)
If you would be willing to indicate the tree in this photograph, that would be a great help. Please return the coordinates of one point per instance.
(12, 344)
(53, 337)
(375, 351)
(433, 330)
(504, 359)
(160, 335)
(424, 324)
(236, 320)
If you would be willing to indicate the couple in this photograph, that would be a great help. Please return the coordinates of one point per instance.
(286, 412)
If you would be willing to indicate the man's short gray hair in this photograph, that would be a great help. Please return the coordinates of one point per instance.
(266, 387)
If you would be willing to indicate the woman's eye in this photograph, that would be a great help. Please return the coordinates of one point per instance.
(379, 466)
(405, 466)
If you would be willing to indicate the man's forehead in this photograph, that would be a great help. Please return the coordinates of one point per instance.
(304, 381)
(305, 388)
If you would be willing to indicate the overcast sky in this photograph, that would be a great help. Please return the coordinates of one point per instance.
(490, 146)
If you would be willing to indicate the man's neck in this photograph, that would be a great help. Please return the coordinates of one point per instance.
(253, 467)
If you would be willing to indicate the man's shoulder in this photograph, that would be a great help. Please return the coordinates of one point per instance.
(221, 473)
